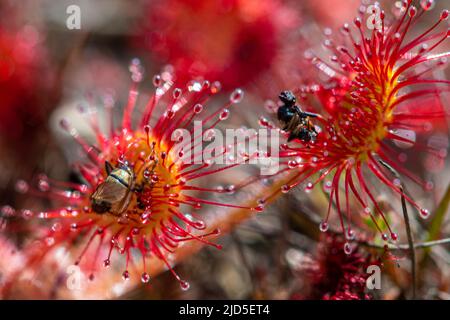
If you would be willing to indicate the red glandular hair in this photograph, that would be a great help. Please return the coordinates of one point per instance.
(379, 93)
(160, 214)
(335, 275)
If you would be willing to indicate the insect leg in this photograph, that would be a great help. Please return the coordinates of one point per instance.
(310, 114)
(108, 167)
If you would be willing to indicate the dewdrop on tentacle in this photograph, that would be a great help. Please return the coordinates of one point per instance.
(137, 192)
(360, 117)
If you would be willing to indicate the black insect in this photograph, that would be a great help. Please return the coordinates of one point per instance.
(294, 120)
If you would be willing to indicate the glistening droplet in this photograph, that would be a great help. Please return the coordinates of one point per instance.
(145, 278)
(348, 248)
(323, 226)
(424, 213)
(237, 96)
(184, 285)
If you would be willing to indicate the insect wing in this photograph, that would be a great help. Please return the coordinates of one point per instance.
(110, 191)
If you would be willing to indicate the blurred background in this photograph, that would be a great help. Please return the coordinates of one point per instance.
(47, 70)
